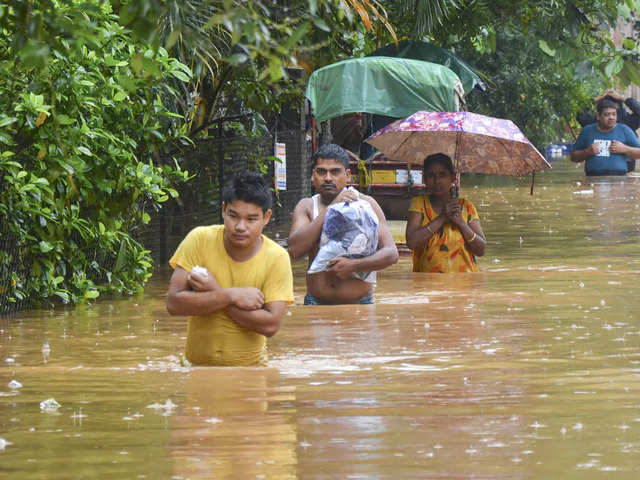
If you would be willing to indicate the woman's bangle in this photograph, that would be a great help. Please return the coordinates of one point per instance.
(429, 229)
(472, 239)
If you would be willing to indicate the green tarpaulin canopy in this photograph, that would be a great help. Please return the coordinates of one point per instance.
(395, 87)
(431, 53)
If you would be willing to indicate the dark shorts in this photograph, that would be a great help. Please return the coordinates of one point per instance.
(311, 300)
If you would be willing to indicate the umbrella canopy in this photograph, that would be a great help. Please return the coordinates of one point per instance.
(476, 143)
(431, 53)
(395, 87)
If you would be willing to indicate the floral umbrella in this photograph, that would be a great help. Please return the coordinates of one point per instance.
(476, 143)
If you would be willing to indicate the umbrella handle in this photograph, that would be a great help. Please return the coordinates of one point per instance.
(455, 186)
(533, 178)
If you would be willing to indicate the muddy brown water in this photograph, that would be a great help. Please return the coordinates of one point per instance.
(529, 369)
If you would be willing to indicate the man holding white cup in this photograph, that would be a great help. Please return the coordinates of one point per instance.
(605, 146)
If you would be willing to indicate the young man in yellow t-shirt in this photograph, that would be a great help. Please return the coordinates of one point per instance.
(241, 298)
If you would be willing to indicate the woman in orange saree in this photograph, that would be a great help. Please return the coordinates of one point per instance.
(443, 231)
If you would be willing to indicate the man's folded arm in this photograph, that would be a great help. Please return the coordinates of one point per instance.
(265, 321)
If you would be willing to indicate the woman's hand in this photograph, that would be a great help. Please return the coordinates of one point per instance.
(453, 212)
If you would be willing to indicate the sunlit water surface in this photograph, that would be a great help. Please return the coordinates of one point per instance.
(529, 369)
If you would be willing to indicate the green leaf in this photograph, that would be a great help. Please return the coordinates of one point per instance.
(183, 67)
(120, 259)
(629, 43)
(174, 36)
(151, 65)
(136, 63)
(63, 119)
(544, 46)
(109, 61)
(64, 296)
(614, 66)
(180, 75)
(297, 35)
(7, 121)
(45, 246)
(84, 150)
(92, 294)
(36, 100)
(119, 96)
(321, 24)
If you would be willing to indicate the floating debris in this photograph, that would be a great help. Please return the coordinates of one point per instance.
(167, 406)
(49, 405)
(4, 444)
(15, 384)
(584, 192)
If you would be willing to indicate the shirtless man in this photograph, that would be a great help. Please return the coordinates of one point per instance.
(330, 175)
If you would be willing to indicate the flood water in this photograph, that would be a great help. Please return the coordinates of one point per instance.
(528, 369)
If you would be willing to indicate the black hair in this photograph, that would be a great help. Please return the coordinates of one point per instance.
(442, 159)
(333, 151)
(248, 187)
(605, 103)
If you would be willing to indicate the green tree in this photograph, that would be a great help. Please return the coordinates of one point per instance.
(240, 51)
(544, 59)
(82, 125)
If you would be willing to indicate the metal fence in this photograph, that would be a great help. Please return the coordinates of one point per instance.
(12, 262)
(214, 161)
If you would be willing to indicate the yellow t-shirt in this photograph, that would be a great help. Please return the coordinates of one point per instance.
(446, 251)
(215, 339)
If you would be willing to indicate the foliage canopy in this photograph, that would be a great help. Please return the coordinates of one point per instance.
(82, 122)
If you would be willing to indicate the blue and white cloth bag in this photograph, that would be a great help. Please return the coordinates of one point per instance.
(350, 229)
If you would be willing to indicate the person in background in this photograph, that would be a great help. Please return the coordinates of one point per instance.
(631, 120)
(443, 231)
(338, 285)
(606, 146)
(232, 281)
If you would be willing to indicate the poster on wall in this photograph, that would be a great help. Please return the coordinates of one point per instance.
(281, 166)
